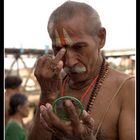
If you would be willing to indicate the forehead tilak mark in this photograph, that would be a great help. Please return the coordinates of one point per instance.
(64, 39)
(57, 39)
(68, 40)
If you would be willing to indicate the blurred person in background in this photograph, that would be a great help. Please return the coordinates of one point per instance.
(18, 109)
(12, 86)
(28, 125)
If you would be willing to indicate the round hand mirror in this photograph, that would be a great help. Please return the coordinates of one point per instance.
(61, 112)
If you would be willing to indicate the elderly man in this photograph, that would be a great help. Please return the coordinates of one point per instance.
(107, 95)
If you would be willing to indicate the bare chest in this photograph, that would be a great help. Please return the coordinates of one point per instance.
(104, 111)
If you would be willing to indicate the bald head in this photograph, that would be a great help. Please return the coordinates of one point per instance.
(71, 9)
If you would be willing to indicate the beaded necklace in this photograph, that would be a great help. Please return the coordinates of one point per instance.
(102, 75)
(97, 83)
(85, 93)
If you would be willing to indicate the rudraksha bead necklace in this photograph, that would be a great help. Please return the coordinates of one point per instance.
(97, 83)
(102, 75)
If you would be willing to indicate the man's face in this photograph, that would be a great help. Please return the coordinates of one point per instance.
(81, 48)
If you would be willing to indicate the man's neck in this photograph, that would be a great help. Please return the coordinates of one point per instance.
(85, 83)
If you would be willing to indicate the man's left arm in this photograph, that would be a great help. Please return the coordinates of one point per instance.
(127, 115)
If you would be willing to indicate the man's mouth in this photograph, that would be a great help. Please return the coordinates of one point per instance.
(75, 70)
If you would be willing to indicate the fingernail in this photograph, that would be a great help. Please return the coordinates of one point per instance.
(60, 63)
(67, 103)
(42, 108)
(63, 49)
(84, 113)
(48, 107)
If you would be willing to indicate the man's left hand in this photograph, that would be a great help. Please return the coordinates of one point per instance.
(76, 129)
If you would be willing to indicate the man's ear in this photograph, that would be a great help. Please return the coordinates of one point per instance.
(102, 37)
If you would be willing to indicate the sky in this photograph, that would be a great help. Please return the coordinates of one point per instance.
(25, 22)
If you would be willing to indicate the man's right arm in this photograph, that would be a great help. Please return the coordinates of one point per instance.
(47, 72)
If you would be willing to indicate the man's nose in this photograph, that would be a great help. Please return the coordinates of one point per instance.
(70, 58)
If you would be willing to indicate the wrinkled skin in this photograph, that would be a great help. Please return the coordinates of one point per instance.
(80, 129)
(120, 119)
(48, 78)
(76, 129)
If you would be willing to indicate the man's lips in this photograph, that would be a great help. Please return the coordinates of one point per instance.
(75, 73)
(75, 70)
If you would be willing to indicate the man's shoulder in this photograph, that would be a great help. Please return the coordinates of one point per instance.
(121, 81)
(118, 75)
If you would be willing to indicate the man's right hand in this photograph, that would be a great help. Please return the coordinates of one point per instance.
(47, 72)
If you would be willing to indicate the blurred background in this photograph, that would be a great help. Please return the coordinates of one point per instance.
(26, 38)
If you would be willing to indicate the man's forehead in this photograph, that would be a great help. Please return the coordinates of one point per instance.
(62, 38)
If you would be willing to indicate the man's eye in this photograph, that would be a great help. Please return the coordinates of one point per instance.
(78, 47)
